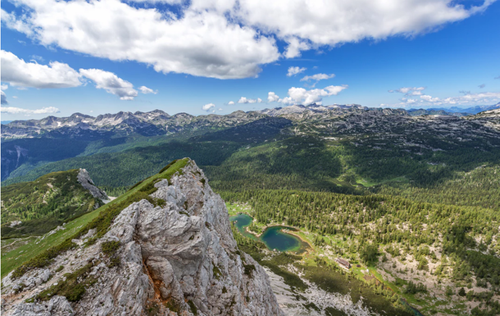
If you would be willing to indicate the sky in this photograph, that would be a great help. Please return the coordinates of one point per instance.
(219, 56)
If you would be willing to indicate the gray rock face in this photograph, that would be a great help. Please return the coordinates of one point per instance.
(86, 182)
(179, 259)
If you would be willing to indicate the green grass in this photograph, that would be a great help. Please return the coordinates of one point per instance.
(101, 221)
(13, 259)
(44, 204)
(367, 183)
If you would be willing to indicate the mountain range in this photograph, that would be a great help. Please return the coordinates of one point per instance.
(410, 202)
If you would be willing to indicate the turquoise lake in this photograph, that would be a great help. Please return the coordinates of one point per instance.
(273, 237)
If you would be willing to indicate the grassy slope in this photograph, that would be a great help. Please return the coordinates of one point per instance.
(14, 259)
(43, 204)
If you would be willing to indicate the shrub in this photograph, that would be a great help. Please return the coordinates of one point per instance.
(109, 248)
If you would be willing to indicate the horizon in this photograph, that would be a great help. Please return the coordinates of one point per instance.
(412, 55)
(453, 109)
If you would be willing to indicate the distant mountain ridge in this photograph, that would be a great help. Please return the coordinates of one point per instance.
(158, 122)
(455, 111)
(27, 145)
(122, 123)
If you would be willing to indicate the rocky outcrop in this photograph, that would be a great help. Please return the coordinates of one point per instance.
(176, 259)
(86, 182)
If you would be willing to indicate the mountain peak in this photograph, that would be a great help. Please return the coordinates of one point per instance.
(171, 249)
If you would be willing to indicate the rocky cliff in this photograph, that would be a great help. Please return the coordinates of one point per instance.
(86, 182)
(175, 256)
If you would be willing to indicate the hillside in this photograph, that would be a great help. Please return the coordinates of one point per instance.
(34, 208)
(164, 247)
(353, 150)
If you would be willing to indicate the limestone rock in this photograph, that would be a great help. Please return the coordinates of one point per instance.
(179, 259)
(86, 182)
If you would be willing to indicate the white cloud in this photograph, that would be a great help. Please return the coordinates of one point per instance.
(468, 99)
(19, 73)
(307, 97)
(224, 38)
(14, 110)
(111, 83)
(318, 23)
(295, 46)
(146, 90)
(244, 100)
(409, 90)
(408, 101)
(230, 103)
(208, 106)
(272, 97)
(292, 71)
(482, 98)
(201, 42)
(317, 78)
(428, 98)
(10, 21)
(38, 58)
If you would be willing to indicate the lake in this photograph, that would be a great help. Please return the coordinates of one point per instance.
(273, 237)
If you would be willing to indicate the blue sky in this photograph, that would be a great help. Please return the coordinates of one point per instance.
(196, 56)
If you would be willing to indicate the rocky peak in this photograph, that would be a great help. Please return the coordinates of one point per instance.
(172, 253)
(84, 179)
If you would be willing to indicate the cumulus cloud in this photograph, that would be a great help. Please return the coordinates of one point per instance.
(230, 103)
(292, 71)
(272, 97)
(223, 38)
(295, 46)
(111, 83)
(244, 100)
(428, 98)
(146, 90)
(208, 106)
(19, 73)
(27, 112)
(202, 42)
(307, 97)
(305, 24)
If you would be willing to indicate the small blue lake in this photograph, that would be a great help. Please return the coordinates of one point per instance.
(273, 237)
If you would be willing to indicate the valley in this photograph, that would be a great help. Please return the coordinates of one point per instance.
(411, 202)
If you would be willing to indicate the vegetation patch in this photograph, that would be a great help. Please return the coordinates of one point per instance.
(193, 307)
(248, 269)
(72, 288)
(101, 223)
(43, 204)
(216, 272)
